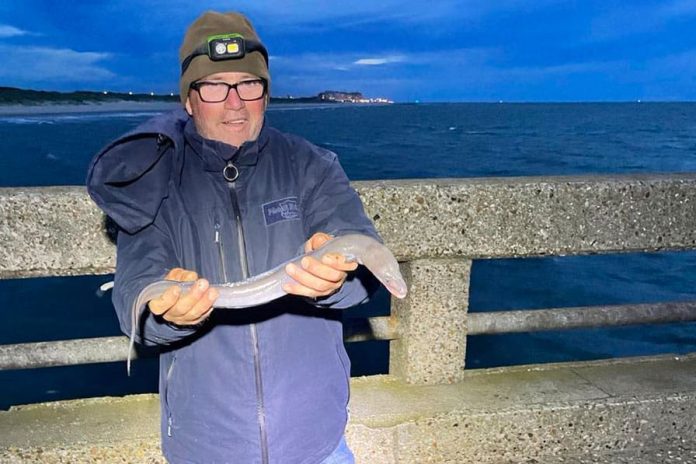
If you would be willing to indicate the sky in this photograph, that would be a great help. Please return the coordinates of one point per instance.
(437, 50)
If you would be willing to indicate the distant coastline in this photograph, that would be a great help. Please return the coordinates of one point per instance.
(16, 96)
(15, 101)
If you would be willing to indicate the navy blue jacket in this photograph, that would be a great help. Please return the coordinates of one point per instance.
(267, 384)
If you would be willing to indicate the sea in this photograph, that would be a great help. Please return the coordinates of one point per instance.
(398, 141)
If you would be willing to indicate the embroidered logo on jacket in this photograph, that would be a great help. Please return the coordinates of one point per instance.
(281, 210)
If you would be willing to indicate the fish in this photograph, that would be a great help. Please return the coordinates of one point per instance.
(268, 286)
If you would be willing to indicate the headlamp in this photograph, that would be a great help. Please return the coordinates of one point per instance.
(225, 47)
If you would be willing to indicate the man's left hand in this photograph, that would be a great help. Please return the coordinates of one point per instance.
(316, 278)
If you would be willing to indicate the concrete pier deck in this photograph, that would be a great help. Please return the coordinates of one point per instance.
(637, 410)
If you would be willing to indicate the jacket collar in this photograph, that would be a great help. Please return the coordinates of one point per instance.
(216, 154)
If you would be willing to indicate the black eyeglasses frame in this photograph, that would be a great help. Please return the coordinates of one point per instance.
(197, 86)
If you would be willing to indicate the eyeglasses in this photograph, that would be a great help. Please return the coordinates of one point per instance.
(216, 92)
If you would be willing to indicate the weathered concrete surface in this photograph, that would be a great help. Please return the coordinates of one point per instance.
(431, 322)
(638, 410)
(95, 430)
(501, 217)
(533, 414)
(48, 231)
(58, 231)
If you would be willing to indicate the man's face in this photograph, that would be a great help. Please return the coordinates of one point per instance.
(233, 121)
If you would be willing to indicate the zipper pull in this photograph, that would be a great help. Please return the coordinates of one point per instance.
(169, 426)
(230, 172)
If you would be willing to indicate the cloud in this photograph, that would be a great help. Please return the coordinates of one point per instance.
(467, 73)
(25, 66)
(384, 74)
(7, 31)
(282, 16)
(325, 64)
(379, 61)
(377, 47)
(334, 14)
(678, 69)
(541, 73)
(487, 73)
(308, 63)
(678, 9)
(628, 20)
(679, 63)
(670, 77)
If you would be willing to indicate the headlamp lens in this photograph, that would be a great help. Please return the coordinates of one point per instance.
(225, 47)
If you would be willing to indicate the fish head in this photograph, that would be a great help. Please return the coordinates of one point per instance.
(394, 282)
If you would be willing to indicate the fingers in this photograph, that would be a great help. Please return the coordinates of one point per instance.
(316, 240)
(314, 278)
(338, 261)
(181, 275)
(168, 299)
(189, 308)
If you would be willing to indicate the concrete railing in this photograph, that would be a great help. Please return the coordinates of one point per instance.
(429, 409)
(434, 227)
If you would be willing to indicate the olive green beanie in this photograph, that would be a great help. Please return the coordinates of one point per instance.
(214, 23)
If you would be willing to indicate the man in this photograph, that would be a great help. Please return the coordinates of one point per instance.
(211, 193)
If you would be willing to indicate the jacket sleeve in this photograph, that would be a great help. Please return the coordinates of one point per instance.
(333, 206)
(129, 180)
(143, 258)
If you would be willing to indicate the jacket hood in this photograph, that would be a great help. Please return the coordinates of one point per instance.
(130, 177)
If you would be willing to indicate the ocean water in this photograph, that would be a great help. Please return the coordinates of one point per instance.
(390, 142)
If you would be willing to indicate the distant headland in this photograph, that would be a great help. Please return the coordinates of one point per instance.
(17, 96)
(334, 96)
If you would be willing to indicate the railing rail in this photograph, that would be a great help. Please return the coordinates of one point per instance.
(583, 317)
(111, 349)
(434, 227)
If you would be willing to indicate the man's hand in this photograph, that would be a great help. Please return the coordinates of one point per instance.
(191, 308)
(315, 278)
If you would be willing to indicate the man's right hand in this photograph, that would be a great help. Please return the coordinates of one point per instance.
(190, 308)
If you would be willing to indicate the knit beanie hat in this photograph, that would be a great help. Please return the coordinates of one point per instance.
(214, 23)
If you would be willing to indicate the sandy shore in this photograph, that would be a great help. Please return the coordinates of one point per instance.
(96, 107)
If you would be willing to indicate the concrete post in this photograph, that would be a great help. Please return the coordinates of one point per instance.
(431, 322)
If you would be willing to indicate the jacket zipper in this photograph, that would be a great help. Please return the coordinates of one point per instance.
(221, 250)
(166, 397)
(163, 142)
(260, 409)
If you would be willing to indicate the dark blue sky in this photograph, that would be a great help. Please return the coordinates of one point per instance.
(440, 50)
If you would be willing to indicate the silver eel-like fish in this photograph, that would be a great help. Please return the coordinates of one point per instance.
(268, 286)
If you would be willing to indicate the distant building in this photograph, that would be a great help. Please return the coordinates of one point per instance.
(349, 97)
(343, 97)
